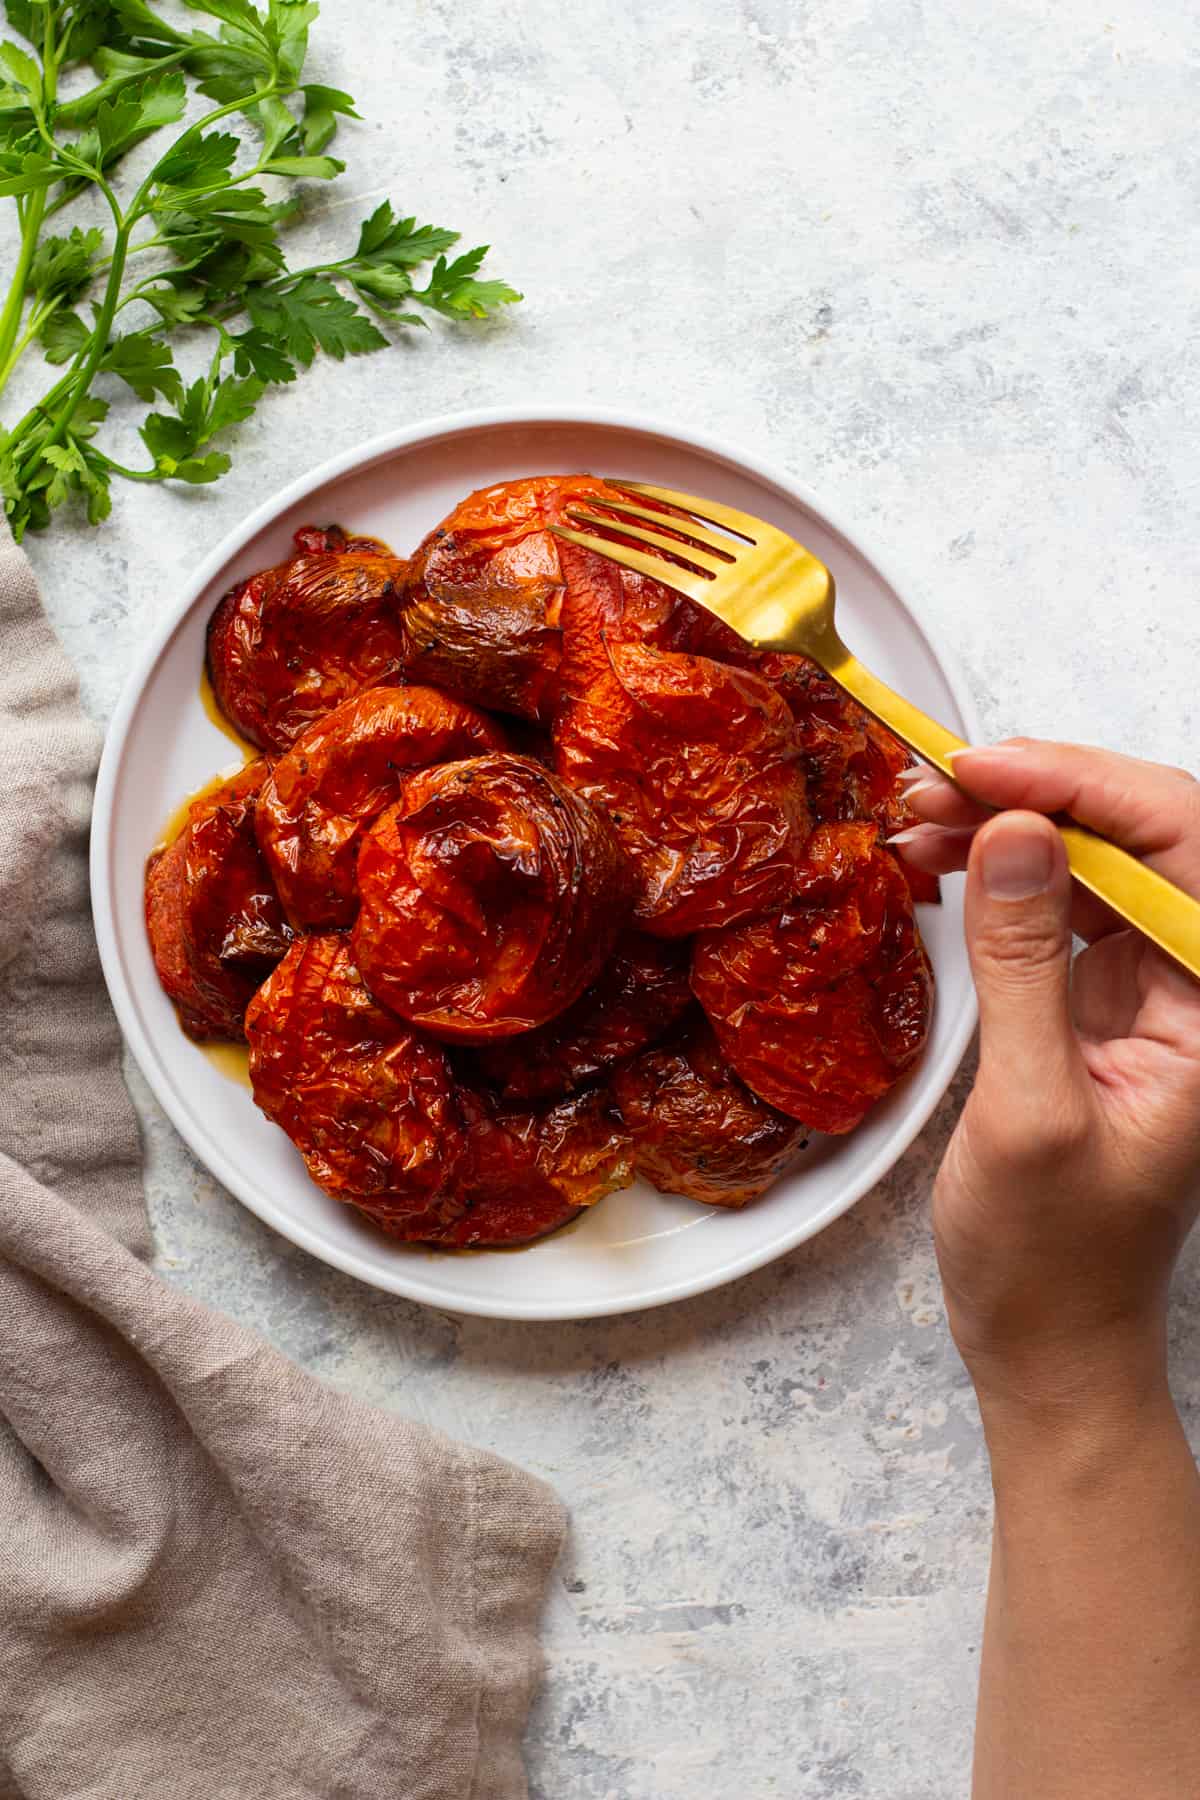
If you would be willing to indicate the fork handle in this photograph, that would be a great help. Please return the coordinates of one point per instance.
(1164, 913)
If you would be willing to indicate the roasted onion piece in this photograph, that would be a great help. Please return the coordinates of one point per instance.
(490, 898)
(694, 764)
(339, 775)
(638, 995)
(822, 1007)
(289, 644)
(697, 1129)
(368, 1102)
(214, 920)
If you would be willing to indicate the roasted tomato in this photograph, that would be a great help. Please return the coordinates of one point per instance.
(694, 764)
(215, 923)
(341, 774)
(852, 762)
(289, 644)
(697, 1129)
(529, 1171)
(636, 998)
(484, 593)
(490, 898)
(821, 1008)
(368, 1102)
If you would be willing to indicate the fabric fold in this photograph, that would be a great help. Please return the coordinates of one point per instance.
(219, 1577)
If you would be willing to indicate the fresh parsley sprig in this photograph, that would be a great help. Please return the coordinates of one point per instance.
(197, 244)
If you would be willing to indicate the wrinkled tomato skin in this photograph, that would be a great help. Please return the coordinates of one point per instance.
(693, 763)
(214, 920)
(339, 776)
(821, 1008)
(490, 895)
(851, 762)
(637, 997)
(290, 643)
(482, 602)
(528, 1171)
(368, 1101)
(697, 1129)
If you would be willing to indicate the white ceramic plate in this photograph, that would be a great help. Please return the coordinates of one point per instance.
(638, 1248)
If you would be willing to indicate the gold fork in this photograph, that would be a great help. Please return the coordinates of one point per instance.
(778, 596)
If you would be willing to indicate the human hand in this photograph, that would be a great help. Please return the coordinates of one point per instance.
(1072, 1178)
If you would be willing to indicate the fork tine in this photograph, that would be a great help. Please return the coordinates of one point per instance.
(724, 548)
(670, 574)
(675, 547)
(753, 530)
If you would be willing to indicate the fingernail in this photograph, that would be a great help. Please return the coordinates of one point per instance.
(928, 830)
(928, 786)
(987, 750)
(917, 772)
(1016, 859)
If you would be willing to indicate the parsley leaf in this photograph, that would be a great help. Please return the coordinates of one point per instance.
(145, 364)
(63, 336)
(321, 108)
(24, 71)
(313, 313)
(257, 353)
(221, 269)
(63, 266)
(198, 162)
(454, 292)
(402, 243)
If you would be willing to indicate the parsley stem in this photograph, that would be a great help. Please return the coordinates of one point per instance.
(98, 342)
(116, 270)
(138, 206)
(14, 306)
(37, 318)
(120, 469)
(31, 224)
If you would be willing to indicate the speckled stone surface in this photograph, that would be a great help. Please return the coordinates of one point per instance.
(939, 261)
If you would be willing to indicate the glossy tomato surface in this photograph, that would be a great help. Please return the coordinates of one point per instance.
(368, 1101)
(341, 774)
(290, 643)
(694, 764)
(636, 998)
(527, 1171)
(697, 1129)
(821, 1007)
(490, 898)
(214, 920)
(483, 599)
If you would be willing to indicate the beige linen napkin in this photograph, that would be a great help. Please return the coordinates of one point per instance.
(219, 1579)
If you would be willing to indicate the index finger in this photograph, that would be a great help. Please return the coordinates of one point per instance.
(1149, 809)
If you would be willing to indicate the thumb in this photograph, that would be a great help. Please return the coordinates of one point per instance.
(1018, 904)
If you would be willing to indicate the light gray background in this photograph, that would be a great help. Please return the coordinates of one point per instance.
(939, 261)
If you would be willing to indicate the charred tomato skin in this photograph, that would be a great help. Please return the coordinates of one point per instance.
(369, 1103)
(490, 896)
(693, 763)
(529, 1170)
(822, 1007)
(637, 997)
(290, 643)
(697, 1129)
(482, 601)
(341, 774)
(213, 917)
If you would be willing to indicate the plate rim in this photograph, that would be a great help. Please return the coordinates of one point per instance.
(377, 449)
